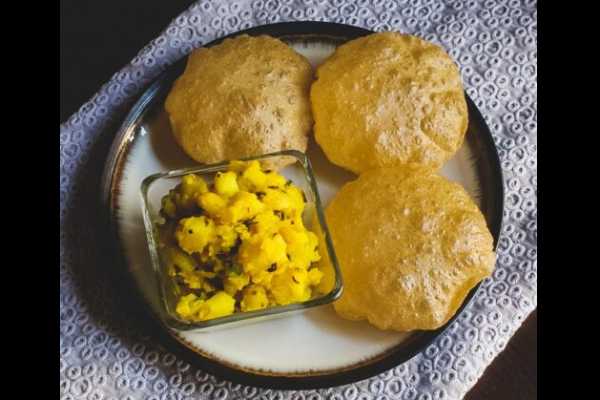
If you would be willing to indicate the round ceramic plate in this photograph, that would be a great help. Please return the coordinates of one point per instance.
(309, 350)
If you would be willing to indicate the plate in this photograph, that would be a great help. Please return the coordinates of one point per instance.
(314, 349)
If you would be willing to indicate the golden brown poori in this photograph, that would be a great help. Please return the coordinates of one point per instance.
(410, 244)
(244, 97)
(389, 99)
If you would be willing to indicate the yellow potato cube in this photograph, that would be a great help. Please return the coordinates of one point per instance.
(176, 260)
(192, 280)
(234, 283)
(244, 205)
(188, 306)
(211, 202)
(253, 178)
(254, 298)
(276, 199)
(274, 180)
(314, 276)
(301, 246)
(294, 237)
(263, 278)
(192, 184)
(226, 183)
(194, 233)
(265, 223)
(291, 286)
(219, 305)
(226, 237)
(296, 197)
(259, 253)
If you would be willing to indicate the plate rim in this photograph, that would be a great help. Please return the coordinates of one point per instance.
(357, 372)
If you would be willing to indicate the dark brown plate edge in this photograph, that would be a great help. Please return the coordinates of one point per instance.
(489, 174)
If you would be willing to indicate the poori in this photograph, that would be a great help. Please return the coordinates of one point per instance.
(245, 97)
(410, 244)
(389, 99)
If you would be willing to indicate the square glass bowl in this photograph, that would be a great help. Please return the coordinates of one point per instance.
(155, 186)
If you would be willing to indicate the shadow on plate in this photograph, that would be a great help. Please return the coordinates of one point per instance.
(163, 143)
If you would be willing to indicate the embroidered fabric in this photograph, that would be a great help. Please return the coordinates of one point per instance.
(104, 356)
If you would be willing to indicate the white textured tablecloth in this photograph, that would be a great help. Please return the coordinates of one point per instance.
(104, 355)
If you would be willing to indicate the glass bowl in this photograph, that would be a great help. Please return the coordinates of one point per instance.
(155, 186)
